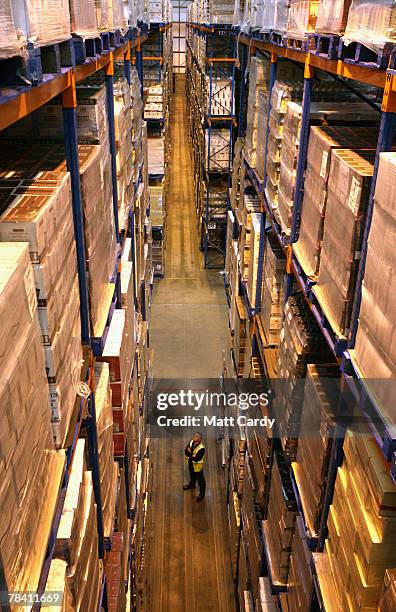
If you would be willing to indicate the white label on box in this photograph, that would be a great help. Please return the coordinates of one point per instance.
(354, 196)
(30, 290)
(54, 403)
(323, 168)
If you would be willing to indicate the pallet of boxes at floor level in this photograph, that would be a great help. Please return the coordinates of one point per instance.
(40, 213)
(104, 425)
(301, 343)
(75, 568)
(31, 470)
(322, 142)
(320, 410)
(272, 293)
(280, 523)
(361, 527)
(348, 193)
(374, 351)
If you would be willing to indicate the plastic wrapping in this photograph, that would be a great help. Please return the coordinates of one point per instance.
(11, 40)
(104, 15)
(332, 16)
(302, 16)
(272, 293)
(372, 23)
(83, 17)
(262, 122)
(281, 15)
(45, 21)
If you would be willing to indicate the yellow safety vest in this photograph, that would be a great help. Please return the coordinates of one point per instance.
(198, 465)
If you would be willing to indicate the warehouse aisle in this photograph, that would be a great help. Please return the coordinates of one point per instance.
(191, 568)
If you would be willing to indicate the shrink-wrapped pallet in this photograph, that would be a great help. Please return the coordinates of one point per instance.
(281, 15)
(40, 213)
(251, 530)
(30, 469)
(375, 341)
(109, 15)
(262, 123)
(300, 582)
(371, 23)
(302, 17)
(42, 22)
(332, 16)
(108, 468)
(318, 428)
(12, 42)
(361, 525)
(388, 597)
(348, 193)
(322, 141)
(272, 292)
(258, 82)
(83, 18)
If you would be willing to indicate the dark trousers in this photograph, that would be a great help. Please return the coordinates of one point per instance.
(197, 477)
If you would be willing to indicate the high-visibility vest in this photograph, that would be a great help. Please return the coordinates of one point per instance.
(198, 465)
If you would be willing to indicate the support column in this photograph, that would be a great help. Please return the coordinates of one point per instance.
(303, 150)
(127, 63)
(139, 64)
(69, 105)
(244, 58)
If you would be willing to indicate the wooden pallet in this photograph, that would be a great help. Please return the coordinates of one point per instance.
(325, 45)
(277, 38)
(298, 43)
(357, 53)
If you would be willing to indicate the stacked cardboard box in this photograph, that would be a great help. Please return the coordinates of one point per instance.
(109, 15)
(288, 164)
(262, 125)
(243, 573)
(375, 344)
(104, 424)
(253, 261)
(248, 212)
(361, 525)
(371, 23)
(219, 99)
(348, 192)
(302, 17)
(124, 149)
(75, 569)
(31, 471)
(37, 191)
(156, 155)
(83, 17)
(388, 597)
(301, 343)
(280, 523)
(154, 106)
(114, 574)
(217, 150)
(272, 293)
(234, 521)
(322, 141)
(300, 582)
(258, 82)
(317, 432)
(240, 334)
(252, 531)
(265, 602)
(281, 14)
(332, 16)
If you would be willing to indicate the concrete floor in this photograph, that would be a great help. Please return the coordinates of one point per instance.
(190, 558)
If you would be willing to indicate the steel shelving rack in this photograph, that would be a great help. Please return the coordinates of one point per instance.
(211, 112)
(354, 388)
(15, 105)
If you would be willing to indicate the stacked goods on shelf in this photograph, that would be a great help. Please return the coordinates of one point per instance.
(332, 16)
(300, 583)
(265, 602)
(317, 436)
(253, 261)
(234, 521)
(252, 531)
(371, 23)
(220, 11)
(124, 149)
(116, 574)
(108, 469)
(347, 199)
(322, 141)
(43, 24)
(109, 15)
(153, 108)
(219, 96)
(247, 214)
(388, 597)
(361, 528)
(75, 569)
(258, 82)
(302, 17)
(301, 343)
(240, 334)
(31, 471)
(281, 15)
(234, 284)
(156, 155)
(83, 18)
(262, 124)
(11, 44)
(243, 576)
(37, 190)
(157, 216)
(280, 522)
(217, 150)
(272, 293)
(375, 347)
(137, 122)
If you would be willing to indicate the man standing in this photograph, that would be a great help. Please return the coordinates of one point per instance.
(195, 452)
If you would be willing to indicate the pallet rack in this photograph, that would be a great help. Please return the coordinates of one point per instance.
(15, 105)
(211, 60)
(354, 390)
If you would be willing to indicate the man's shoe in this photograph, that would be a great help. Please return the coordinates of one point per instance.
(200, 498)
(189, 486)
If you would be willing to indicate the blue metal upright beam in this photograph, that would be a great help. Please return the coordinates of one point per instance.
(139, 64)
(257, 305)
(113, 150)
(244, 55)
(302, 152)
(127, 64)
(69, 104)
(94, 464)
(385, 142)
